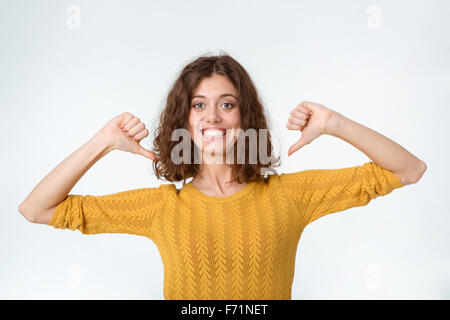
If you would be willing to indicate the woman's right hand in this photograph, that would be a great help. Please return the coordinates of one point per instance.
(125, 132)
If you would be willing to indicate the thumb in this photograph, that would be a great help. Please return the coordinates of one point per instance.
(146, 153)
(296, 146)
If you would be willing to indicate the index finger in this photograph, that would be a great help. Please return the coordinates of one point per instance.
(126, 120)
(301, 108)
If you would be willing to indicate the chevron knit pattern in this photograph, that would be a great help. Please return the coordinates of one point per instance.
(241, 246)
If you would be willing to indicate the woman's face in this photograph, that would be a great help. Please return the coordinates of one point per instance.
(214, 106)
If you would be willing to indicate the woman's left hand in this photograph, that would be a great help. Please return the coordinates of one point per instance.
(311, 119)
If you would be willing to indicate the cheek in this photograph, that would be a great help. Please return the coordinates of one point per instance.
(234, 120)
(191, 121)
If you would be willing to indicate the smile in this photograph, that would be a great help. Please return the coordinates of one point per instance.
(214, 134)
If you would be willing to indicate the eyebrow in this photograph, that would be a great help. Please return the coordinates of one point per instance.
(221, 96)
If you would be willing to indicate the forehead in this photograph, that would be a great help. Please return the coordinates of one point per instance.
(214, 86)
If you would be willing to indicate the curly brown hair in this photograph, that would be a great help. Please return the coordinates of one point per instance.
(176, 113)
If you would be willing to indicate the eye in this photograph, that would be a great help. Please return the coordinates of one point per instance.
(196, 105)
(230, 105)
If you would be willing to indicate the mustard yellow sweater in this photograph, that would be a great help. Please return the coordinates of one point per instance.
(238, 247)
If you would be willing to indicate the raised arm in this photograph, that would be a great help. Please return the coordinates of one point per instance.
(313, 120)
(123, 132)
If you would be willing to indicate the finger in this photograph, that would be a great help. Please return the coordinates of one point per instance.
(297, 121)
(131, 124)
(303, 107)
(126, 119)
(291, 126)
(299, 144)
(140, 126)
(147, 153)
(300, 115)
(141, 135)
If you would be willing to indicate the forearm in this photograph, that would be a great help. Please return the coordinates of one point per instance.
(380, 149)
(56, 185)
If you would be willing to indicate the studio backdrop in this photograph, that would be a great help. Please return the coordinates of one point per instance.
(68, 67)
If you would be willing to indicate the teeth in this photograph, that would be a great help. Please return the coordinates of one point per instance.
(213, 133)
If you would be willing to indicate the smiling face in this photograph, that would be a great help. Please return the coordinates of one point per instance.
(214, 115)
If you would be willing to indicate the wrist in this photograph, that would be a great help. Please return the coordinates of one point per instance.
(101, 143)
(334, 123)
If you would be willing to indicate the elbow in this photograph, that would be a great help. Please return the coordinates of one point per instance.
(26, 214)
(413, 175)
(422, 167)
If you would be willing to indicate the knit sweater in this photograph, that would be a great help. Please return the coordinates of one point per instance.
(242, 246)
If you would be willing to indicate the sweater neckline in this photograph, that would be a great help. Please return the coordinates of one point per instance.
(238, 194)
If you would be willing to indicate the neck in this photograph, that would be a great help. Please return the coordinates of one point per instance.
(215, 177)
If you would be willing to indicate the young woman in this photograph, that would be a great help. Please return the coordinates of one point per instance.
(231, 232)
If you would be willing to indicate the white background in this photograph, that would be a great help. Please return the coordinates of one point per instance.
(384, 64)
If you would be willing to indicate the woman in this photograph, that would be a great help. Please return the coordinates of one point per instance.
(230, 233)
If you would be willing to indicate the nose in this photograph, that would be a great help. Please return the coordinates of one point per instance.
(213, 115)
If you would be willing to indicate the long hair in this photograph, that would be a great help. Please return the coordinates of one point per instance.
(175, 115)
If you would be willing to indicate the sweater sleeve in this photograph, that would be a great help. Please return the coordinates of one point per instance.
(318, 192)
(131, 212)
